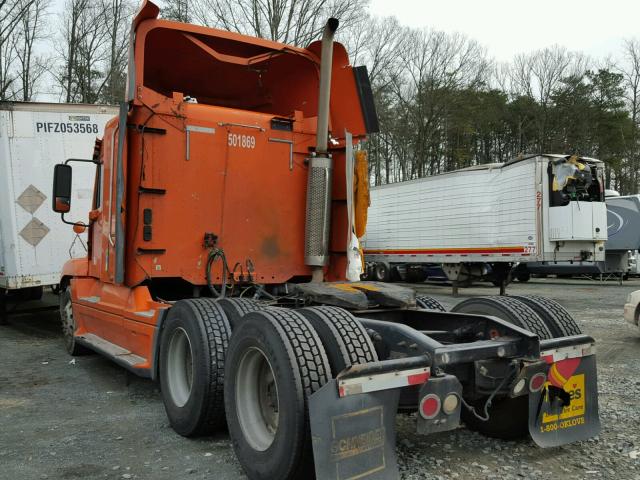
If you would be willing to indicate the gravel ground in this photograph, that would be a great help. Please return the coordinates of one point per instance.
(89, 419)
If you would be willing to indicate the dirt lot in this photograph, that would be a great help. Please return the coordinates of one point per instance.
(89, 419)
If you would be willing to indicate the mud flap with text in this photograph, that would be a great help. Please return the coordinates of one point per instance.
(566, 409)
(354, 437)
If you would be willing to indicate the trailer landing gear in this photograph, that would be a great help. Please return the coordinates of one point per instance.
(502, 276)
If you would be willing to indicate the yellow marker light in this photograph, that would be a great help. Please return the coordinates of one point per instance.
(450, 403)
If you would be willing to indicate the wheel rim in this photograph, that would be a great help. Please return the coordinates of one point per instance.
(257, 401)
(180, 367)
(68, 325)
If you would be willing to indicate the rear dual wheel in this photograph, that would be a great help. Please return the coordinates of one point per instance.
(275, 362)
(272, 364)
(345, 340)
(555, 316)
(277, 359)
(193, 348)
(508, 417)
(236, 308)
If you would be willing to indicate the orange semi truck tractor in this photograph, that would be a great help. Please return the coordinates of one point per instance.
(219, 246)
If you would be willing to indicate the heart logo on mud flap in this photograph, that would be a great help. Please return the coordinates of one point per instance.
(561, 371)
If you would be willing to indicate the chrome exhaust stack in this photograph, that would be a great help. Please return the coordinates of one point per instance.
(318, 217)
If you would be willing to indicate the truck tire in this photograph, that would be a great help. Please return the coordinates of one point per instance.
(345, 340)
(382, 272)
(429, 303)
(69, 325)
(193, 346)
(559, 321)
(523, 277)
(508, 417)
(236, 308)
(509, 309)
(273, 353)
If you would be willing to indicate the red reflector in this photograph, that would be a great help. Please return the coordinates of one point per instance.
(430, 406)
(537, 382)
(418, 378)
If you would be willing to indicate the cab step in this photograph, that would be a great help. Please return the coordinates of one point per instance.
(120, 355)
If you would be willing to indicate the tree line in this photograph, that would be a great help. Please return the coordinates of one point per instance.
(442, 101)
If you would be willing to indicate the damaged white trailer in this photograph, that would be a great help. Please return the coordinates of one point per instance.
(489, 217)
(34, 243)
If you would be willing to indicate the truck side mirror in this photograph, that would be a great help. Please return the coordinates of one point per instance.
(61, 188)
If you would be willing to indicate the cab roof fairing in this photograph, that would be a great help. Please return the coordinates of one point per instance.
(218, 67)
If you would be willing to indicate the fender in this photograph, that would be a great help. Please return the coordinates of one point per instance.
(76, 267)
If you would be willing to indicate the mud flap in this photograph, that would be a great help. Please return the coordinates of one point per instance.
(354, 436)
(566, 409)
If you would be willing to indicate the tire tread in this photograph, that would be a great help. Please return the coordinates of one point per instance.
(557, 318)
(218, 332)
(429, 303)
(351, 337)
(521, 314)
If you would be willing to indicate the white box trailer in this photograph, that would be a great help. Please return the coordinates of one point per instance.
(623, 230)
(534, 208)
(34, 243)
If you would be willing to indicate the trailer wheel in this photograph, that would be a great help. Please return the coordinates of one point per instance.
(382, 272)
(559, 321)
(275, 362)
(509, 309)
(69, 325)
(429, 303)
(508, 418)
(193, 347)
(236, 308)
(523, 277)
(344, 338)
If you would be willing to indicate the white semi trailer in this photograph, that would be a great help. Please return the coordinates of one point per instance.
(489, 217)
(34, 243)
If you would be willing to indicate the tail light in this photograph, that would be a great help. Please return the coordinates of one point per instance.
(537, 382)
(430, 406)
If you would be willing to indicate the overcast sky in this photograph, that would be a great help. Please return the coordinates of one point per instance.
(508, 27)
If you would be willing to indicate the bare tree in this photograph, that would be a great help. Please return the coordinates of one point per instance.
(375, 42)
(11, 13)
(177, 10)
(92, 54)
(30, 30)
(84, 50)
(117, 16)
(71, 36)
(296, 22)
(631, 74)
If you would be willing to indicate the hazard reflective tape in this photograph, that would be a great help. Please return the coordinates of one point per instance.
(383, 381)
(573, 351)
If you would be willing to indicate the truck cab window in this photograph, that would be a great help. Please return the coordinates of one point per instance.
(97, 191)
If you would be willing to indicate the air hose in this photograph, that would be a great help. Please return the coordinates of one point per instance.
(214, 255)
